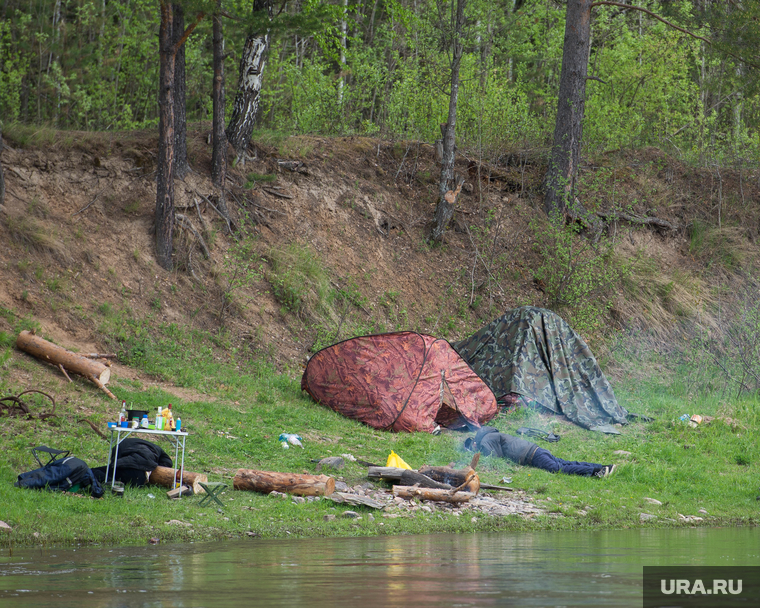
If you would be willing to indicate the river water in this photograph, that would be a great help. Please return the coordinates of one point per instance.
(491, 569)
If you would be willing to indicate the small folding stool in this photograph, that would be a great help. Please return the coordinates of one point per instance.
(42, 452)
(213, 489)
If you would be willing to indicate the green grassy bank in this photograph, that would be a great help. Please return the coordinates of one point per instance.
(240, 408)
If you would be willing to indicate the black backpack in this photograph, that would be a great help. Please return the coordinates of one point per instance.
(65, 474)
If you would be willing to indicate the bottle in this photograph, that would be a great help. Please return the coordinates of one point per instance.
(123, 413)
(169, 425)
(144, 422)
(179, 425)
(159, 420)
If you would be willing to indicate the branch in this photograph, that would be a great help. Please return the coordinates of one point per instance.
(673, 25)
(635, 219)
(185, 223)
(189, 30)
(651, 14)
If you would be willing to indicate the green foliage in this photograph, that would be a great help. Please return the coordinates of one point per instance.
(650, 84)
(254, 178)
(576, 272)
(241, 267)
(299, 281)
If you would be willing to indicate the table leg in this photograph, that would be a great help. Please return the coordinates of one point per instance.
(110, 447)
(116, 457)
(182, 466)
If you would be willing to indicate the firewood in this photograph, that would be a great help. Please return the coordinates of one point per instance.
(464, 478)
(405, 477)
(290, 483)
(438, 494)
(167, 477)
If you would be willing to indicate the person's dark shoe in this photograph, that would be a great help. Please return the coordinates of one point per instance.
(606, 470)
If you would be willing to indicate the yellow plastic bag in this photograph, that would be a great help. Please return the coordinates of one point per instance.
(394, 460)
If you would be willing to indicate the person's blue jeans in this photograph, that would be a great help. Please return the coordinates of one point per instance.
(544, 459)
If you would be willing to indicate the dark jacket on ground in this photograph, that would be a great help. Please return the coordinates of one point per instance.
(491, 442)
(136, 458)
(64, 474)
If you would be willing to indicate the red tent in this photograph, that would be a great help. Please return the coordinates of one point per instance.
(401, 381)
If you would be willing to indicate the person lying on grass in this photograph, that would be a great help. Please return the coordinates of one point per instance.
(489, 441)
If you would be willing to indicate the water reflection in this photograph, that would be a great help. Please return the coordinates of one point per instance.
(515, 569)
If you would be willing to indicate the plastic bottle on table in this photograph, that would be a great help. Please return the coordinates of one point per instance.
(123, 413)
(178, 427)
(144, 422)
(160, 420)
(169, 419)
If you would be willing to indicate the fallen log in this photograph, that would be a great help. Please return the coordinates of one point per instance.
(94, 371)
(644, 220)
(405, 477)
(437, 494)
(290, 483)
(167, 477)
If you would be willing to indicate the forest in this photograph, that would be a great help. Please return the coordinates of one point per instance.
(679, 75)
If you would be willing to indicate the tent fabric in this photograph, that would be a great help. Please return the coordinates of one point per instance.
(533, 352)
(402, 381)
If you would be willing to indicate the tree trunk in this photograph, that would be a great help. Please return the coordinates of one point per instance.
(447, 194)
(168, 476)
(219, 139)
(410, 492)
(291, 483)
(164, 216)
(568, 131)
(2, 177)
(181, 166)
(64, 359)
(247, 100)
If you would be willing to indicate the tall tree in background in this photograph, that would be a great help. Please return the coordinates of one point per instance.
(219, 138)
(180, 109)
(565, 155)
(568, 131)
(448, 190)
(2, 177)
(252, 63)
(164, 215)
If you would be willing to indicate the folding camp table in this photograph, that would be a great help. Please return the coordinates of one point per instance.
(120, 433)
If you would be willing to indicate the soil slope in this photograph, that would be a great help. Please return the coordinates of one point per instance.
(77, 235)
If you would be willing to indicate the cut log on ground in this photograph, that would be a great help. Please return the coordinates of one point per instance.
(405, 477)
(167, 477)
(290, 483)
(410, 492)
(38, 347)
(466, 479)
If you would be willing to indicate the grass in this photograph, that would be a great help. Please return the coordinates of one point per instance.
(236, 409)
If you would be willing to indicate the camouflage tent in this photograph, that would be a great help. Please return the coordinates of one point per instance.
(534, 353)
(401, 381)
